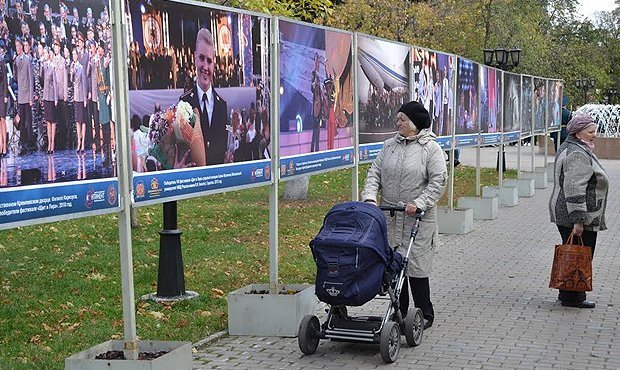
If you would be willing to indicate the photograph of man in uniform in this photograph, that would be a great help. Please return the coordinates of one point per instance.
(212, 108)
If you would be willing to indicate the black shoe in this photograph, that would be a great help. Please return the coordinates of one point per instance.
(456, 163)
(584, 304)
(427, 324)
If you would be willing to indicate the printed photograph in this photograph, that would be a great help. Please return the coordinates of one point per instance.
(199, 86)
(512, 97)
(316, 89)
(526, 122)
(383, 86)
(467, 97)
(540, 104)
(490, 100)
(433, 76)
(56, 122)
(555, 104)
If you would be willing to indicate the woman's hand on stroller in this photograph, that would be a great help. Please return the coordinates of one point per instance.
(410, 209)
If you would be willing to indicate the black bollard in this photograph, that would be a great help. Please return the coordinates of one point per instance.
(503, 160)
(170, 276)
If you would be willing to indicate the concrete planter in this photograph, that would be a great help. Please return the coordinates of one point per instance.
(483, 208)
(508, 195)
(540, 177)
(455, 221)
(525, 186)
(607, 148)
(270, 314)
(179, 357)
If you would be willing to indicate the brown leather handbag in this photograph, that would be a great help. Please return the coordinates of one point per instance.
(572, 267)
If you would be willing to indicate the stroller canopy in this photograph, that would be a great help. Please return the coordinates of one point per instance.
(356, 224)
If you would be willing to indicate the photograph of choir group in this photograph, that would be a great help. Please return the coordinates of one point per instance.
(433, 75)
(55, 97)
(540, 104)
(467, 98)
(490, 100)
(555, 104)
(383, 86)
(512, 101)
(199, 86)
(526, 122)
(316, 86)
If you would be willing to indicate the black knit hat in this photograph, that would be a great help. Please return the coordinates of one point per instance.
(417, 114)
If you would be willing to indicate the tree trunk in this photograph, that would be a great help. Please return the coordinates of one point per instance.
(134, 218)
(296, 189)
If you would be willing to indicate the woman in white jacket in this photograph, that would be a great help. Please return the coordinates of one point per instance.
(411, 170)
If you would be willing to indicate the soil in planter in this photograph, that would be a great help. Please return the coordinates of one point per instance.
(288, 292)
(120, 355)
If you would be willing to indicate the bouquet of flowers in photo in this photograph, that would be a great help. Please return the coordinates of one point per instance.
(176, 134)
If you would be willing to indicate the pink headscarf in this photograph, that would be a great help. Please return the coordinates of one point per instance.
(579, 123)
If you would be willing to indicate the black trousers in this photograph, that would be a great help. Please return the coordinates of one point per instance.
(589, 240)
(107, 144)
(421, 291)
(26, 134)
(316, 134)
(93, 116)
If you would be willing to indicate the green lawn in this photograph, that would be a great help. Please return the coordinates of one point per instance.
(60, 290)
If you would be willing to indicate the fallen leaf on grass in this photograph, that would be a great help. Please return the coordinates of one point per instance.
(157, 315)
(70, 327)
(218, 293)
(96, 276)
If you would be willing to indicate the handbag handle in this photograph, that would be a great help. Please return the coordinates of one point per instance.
(570, 239)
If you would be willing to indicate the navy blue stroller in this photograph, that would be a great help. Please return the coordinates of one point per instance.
(355, 264)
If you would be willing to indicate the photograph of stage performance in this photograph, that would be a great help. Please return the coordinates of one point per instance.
(433, 76)
(490, 100)
(512, 102)
(383, 86)
(56, 123)
(526, 113)
(555, 104)
(316, 102)
(199, 86)
(467, 98)
(540, 105)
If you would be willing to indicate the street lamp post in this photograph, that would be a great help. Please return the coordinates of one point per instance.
(505, 60)
(585, 84)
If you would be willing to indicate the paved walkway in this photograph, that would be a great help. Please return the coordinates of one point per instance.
(492, 305)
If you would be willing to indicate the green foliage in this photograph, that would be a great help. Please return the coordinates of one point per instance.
(555, 42)
(305, 10)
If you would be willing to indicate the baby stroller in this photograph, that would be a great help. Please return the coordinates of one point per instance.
(355, 264)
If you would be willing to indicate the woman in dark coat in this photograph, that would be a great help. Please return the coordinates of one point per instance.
(579, 197)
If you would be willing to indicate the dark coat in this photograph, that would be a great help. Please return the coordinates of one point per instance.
(215, 135)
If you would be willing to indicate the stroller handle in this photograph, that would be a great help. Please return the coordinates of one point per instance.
(419, 214)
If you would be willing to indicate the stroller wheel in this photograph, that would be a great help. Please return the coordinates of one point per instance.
(389, 343)
(308, 338)
(414, 327)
